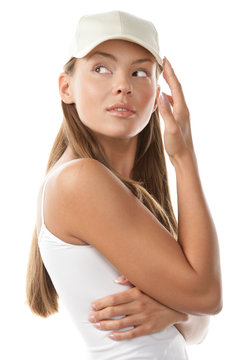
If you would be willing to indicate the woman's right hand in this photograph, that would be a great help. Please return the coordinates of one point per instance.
(177, 133)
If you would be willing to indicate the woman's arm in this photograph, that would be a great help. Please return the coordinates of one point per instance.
(145, 314)
(101, 210)
(196, 231)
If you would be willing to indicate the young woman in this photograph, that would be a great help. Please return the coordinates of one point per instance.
(104, 209)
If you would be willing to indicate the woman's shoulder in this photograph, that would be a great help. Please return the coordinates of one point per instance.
(82, 180)
(72, 167)
(73, 174)
(64, 184)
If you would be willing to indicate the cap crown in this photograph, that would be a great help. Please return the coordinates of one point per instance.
(94, 29)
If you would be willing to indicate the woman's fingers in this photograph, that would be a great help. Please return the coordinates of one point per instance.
(170, 99)
(117, 324)
(113, 311)
(110, 312)
(174, 140)
(166, 112)
(140, 330)
(127, 335)
(175, 86)
(177, 134)
(116, 299)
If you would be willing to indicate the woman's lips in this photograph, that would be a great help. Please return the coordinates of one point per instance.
(121, 113)
(121, 109)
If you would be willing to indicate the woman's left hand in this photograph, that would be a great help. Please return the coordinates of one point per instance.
(145, 314)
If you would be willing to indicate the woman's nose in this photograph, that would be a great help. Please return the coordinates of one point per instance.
(122, 85)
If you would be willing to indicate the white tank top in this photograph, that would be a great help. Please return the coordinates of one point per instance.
(80, 275)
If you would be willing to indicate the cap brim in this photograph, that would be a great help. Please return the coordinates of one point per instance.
(88, 49)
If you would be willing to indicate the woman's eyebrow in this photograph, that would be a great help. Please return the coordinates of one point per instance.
(115, 59)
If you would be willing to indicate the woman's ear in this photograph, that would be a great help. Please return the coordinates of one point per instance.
(156, 99)
(64, 88)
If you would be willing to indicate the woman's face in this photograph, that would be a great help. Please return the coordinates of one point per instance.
(115, 74)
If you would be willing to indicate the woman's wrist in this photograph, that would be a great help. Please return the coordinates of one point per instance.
(184, 161)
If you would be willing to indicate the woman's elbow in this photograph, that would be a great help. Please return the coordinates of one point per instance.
(204, 298)
(213, 308)
(212, 300)
(216, 305)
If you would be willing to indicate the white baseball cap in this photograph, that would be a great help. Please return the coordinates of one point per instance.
(96, 28)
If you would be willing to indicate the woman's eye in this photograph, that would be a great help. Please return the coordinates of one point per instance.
(101, 69)
(142, 73)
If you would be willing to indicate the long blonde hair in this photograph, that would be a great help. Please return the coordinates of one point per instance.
(149, 184)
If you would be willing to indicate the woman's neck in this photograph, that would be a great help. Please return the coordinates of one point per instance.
(122, 161)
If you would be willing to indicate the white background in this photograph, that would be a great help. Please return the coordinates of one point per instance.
(201, 39)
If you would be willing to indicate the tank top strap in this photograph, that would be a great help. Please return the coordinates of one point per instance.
(49, 174)
(43, 193)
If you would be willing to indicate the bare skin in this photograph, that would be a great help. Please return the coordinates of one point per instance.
(146, 315)
(119, 141)
(147, 312)
(100, 81)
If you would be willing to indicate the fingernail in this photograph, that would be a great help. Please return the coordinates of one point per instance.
(163, 98)
(120, 278)
(92, 318)
(93, 307)
(112, 336)
(97, 325)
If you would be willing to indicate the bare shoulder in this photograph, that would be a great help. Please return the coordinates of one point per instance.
(84, 167)
(62, 186)
(54, 214)
(85, 177)
(78, 192)
(79, 168)
(92, 197)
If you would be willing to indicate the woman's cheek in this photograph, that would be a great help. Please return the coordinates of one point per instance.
(147, 100)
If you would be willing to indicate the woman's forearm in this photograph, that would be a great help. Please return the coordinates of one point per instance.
(196, 234)
(195, 329)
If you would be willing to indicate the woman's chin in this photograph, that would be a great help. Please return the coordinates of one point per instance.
(117, 134)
